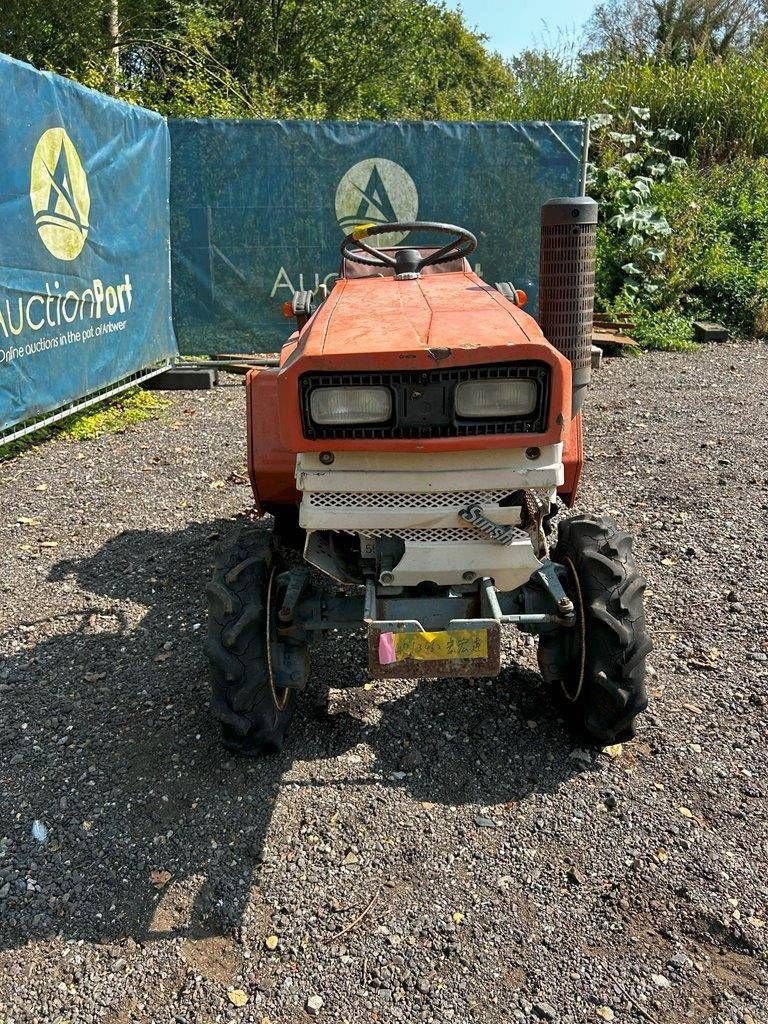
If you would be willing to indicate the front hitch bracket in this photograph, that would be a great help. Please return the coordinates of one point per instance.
(298, 578)
(547, 573)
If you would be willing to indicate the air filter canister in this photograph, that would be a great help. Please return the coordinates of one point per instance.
(567, 283)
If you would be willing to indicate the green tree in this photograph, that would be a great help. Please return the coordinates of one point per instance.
(675, 29)
(326, 58)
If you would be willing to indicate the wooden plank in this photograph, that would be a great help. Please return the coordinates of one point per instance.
(258, 357)
(239, 368)
(609, 339)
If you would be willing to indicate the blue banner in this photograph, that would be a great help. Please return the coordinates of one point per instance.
(84, 247)
(258, 208)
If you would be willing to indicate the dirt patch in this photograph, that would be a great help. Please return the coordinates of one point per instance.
(216, 958)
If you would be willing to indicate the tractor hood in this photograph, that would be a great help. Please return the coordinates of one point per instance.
(434, 313)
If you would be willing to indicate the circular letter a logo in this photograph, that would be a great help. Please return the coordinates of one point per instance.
(376, 191)
(58, 191)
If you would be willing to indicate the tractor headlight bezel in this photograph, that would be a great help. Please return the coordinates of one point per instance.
(423, 402)
(495, 399)
(350, 405)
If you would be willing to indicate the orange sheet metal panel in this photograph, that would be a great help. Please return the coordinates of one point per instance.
(573, 460)
(270, 466)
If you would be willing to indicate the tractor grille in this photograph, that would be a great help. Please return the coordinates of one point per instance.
(448, 500)
(423, 406)
(439, 535)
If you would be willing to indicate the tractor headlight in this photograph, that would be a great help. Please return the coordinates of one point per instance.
(334, 406)
(495, 399)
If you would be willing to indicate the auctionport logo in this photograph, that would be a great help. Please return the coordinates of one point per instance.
(59, 195)
(376, 191)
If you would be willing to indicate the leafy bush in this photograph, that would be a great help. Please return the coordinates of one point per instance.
(664, 330)
(688, 241)
(633, 232)
(717, 263)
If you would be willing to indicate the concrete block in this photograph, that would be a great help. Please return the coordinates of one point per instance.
(705, 330)
(183, 378)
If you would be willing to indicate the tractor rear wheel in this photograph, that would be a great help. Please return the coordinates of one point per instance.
(597, 667)
(254, 713)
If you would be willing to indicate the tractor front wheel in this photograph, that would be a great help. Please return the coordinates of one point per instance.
(597, 667)
(254, 713)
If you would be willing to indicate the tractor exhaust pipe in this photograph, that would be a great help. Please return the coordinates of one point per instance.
(567, 284)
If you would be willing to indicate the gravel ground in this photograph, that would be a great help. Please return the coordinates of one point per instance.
(506, 873)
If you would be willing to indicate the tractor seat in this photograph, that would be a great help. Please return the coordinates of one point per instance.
(350, 269)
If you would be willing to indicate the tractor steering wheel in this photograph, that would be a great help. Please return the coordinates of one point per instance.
(407, 261)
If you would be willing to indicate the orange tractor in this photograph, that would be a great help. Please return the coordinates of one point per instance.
(413, 447)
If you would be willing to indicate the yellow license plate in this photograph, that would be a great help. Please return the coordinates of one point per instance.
(469, 644)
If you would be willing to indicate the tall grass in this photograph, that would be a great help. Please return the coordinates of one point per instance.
(720, 106)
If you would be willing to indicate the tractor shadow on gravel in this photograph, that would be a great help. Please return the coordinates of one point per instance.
(154, 832)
